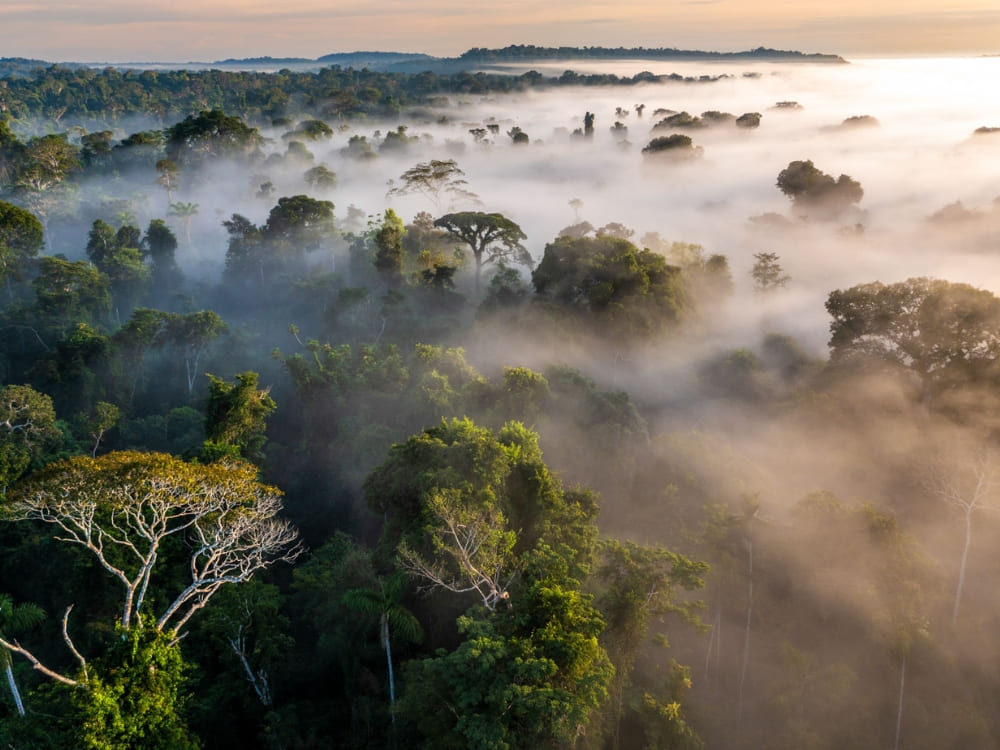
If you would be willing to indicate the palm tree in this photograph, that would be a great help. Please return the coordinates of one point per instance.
(382, 600)
(186, 212)
(16, 619)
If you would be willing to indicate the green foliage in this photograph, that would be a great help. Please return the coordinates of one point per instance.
(136, 696)
(676, 146)
(297, 225)
(21, 239)
(320, 176)
(628, 292)
(815, 193)
(236, 413)
(527, 676)
(27, 429)
(492, 237)
(947, 334)
(664, 722)
(436, 180)
(210, 134)
(388, 241)
(506, 289)
(69, 292)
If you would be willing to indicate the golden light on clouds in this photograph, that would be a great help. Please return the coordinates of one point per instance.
(115, 30)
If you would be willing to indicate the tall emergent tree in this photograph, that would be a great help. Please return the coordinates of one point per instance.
(945, 334)
(436, 179)
(477, 515)
(123, 507)
(171, 534)
(210, 134)
(491, 237)
(815, 193)
(631, 292)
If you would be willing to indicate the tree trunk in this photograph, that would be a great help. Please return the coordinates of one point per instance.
(13, 687)
(961, 567)
(388, 658)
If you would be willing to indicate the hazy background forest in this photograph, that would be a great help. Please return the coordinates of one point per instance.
(583, 403)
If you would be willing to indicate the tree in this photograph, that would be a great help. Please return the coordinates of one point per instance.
(435, 180)
(767, 273)
(527, 676)
(382, 601)
(483, 513)
(15, 619)
(117, 255)
(299, 224)
(134, 696)
(675, 146)
(813, 192)
(388, 241)
(185, 212)
(247, 621)
(639, 586)
(971, 487)
(321, 177)
(945, 334)
(46, 162)
(124, 507)
(210, 134)
(41, 171)
(192, 333)
(236, 415)
(104, 418)
(27, 427)
(21, 239)
(169, 172)
(160, 246)
(67, 293)
(491, 237)
(631, 292)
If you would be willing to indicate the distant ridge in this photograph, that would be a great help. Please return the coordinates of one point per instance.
(417, 62)
(531, 52)
(382, 57)
(266, 60)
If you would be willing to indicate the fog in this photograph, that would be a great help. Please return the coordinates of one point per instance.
(930, 184)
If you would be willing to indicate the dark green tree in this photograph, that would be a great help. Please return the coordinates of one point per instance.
(27, 428)
(815, 193)
(236, 416)
(630, 292)
(210, 134)
(946, 334)
(491, 237)
(21, 239)
(388, 240)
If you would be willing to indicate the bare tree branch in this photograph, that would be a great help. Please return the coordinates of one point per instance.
(19, 649)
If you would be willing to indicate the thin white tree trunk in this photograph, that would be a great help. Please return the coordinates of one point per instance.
(13, 687)
(388, 658)
(961, 567)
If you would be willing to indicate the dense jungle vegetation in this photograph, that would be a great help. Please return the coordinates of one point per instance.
(258, 492)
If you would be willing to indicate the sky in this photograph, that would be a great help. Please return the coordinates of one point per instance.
(208, 30)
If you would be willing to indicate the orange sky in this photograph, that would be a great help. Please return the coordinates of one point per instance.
(181, 30)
